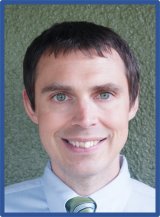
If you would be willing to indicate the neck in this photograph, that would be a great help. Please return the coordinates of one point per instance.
(87, 185)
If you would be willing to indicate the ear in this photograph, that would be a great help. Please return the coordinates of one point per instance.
(134, 109)
(28, 108)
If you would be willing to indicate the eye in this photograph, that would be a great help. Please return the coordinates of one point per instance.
(104, 95)
(60, 97)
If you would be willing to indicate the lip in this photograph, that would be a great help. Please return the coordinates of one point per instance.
(75, 149)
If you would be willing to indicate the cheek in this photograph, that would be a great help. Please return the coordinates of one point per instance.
(117, 123)
(119, 132)
(116, 118)
(50, 123)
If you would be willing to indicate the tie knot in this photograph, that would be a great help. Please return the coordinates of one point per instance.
(80, 204)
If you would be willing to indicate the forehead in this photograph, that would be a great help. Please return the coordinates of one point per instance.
(80, 66)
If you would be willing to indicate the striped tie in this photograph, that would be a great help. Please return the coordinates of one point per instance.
(80, 204)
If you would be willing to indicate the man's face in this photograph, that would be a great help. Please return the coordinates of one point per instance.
(82, 110)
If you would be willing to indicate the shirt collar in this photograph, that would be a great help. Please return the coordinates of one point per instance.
(56, 191)
(112, 197)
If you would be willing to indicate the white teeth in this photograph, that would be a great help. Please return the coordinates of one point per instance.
(87, 144)
(76, 144)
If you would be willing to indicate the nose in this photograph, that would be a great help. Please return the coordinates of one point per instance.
(85, 115)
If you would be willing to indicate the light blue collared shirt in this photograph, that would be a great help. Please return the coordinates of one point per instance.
(49, 194)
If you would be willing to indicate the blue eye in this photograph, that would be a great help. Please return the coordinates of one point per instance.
(104, 95)
(60, 97)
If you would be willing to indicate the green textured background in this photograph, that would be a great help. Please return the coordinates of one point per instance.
(24, 156)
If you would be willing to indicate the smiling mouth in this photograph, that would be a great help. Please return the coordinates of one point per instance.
(83, 143)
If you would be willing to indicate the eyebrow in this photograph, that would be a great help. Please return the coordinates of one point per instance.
(108, 87)
(56, 86)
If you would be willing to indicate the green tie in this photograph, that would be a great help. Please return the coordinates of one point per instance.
(81, 204)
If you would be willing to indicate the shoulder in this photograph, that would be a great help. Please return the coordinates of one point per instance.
(23, 186)
(142, 189)
(142, 197)
(21, 197)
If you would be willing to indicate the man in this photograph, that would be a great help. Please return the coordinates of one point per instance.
(81, 89)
